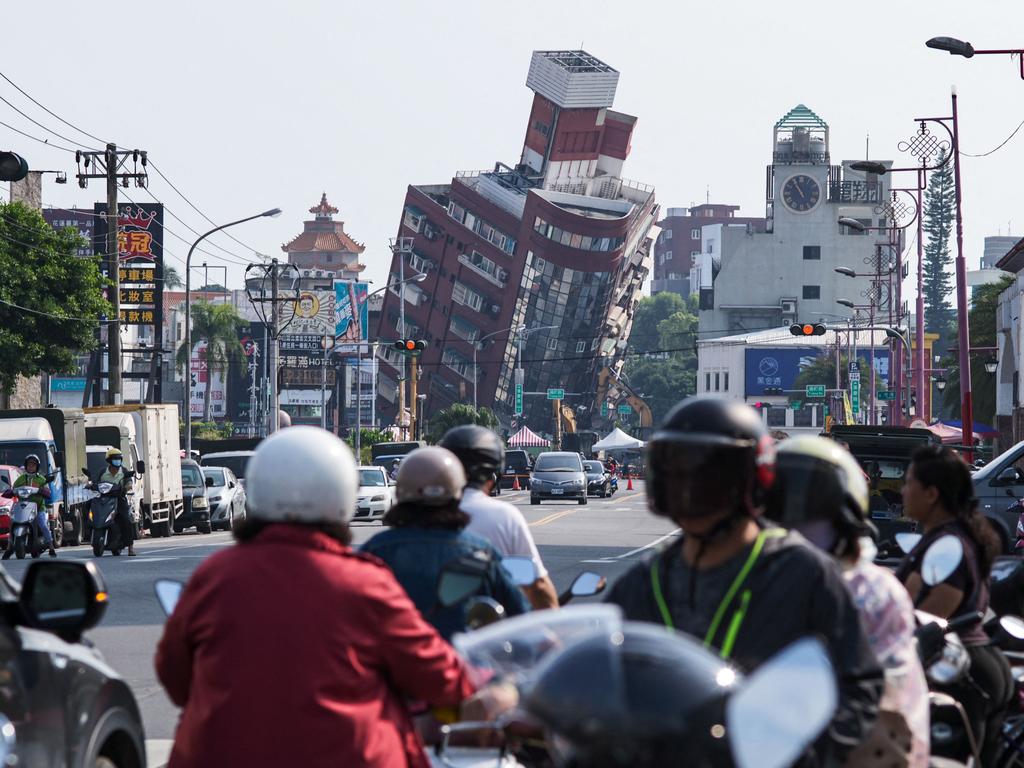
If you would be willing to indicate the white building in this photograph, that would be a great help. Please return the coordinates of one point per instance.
(1010, 350)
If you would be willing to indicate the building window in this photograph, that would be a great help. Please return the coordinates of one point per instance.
(668, 255)
(667, 233)
(718, 382)
(707, 382)
(594, 343)
(464, 330)
(777, 416)
(695, 234)
(581, 346)
(812, 292)
(694, 254)
(462, 294)
(725, 381)
(552, 343)
(812, 253)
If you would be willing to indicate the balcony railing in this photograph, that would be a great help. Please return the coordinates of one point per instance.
(465, 259)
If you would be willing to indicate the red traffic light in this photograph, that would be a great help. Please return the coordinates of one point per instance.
(411, 346)
(807, 329)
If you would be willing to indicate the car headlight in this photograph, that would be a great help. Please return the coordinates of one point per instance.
(200, 502)
(377, 498)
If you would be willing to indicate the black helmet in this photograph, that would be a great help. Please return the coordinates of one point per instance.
(640, 697)
(817, 480)
(479, 449)
(709, 456)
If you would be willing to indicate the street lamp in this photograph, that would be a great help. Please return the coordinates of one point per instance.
(272, 213)
(869, 166)
(846, 303)
(962, 48)
(846, 271)
(991, 365)
(940, 383)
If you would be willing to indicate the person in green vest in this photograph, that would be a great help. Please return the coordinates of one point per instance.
(116, 475)
(34, 478)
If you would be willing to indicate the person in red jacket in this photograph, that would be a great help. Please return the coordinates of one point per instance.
(292, 649)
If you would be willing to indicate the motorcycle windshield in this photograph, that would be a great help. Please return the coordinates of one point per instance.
(516, 646)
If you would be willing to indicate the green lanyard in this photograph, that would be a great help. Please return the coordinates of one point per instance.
(737, 584)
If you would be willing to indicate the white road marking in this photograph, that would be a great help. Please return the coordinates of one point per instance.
(636, 551)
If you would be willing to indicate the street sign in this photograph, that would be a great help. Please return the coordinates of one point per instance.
(796, 405)
(604, 410)
(815, 390)
(519, 400)
(556, 394)
(887, 394)
(855, 395)
(625, 409)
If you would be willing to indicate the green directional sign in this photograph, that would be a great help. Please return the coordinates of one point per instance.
(815, 390)
(625, 409)
(887, 394)
(796, 405)
(519, 400)
(855, 395)
(556, 394)
(604, 410)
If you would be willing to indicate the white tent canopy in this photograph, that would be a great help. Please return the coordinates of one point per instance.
(617, 440)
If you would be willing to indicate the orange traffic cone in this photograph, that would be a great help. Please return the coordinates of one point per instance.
(629, 482)
(515, 484)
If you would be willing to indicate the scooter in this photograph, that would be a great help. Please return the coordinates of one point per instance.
(103, 512)
(25, 536)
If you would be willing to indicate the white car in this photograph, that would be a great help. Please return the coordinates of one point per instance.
(227, 497)
(376, 494)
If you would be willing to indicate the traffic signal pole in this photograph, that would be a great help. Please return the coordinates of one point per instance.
(412, 395)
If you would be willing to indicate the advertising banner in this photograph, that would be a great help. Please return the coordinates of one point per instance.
(780, 366)
(313, 314)
(351, 314)
(203, 378)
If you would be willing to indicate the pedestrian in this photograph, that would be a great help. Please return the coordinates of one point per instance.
(820, 491)
(116, 475)
(741, 585)
(34, 478)
(428, 532)
(938, 493)
(483, 455)
(292, 649)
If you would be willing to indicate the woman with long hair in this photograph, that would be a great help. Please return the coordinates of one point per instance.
(939, 495)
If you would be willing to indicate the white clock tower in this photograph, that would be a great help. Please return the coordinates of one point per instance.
(800, 172)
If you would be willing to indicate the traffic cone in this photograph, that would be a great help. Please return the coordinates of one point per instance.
(515, 484)
(629, 482)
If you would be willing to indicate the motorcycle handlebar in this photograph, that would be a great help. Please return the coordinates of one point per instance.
(963, 621)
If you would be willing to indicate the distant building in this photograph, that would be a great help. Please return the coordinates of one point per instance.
(323, 244)
(996, 247)
(557, 243)
(79, 219)
(677, 249)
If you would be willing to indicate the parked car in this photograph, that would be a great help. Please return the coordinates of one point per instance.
(66, 705)
(558, 475)
(8, 475)
(599, 481)
(996, 486)
(376, 493)
(236, 461)
(517, 464)
(227, 497)
(197, 501)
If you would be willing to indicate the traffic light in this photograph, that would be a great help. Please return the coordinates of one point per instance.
(410, 346)
(807, 329)
(12, 167)
(762, 405)
(779, 391)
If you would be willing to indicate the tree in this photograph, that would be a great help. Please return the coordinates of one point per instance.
(457, 415)
(172, 279)
(217, 325)
(59, 296)
(650, 312)
(939, 205)
(982, 321)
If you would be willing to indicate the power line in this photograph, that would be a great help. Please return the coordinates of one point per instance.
(36, 138)
(48, 130)
(1005, 141)
(50, 112)
(195, 231)
(55, 316)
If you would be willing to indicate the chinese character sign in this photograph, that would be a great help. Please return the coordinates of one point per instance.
(351, 313)
(140, 261)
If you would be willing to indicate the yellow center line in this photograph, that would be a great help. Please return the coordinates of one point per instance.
(552, 518)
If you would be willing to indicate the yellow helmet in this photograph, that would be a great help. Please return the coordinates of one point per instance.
(113, 453)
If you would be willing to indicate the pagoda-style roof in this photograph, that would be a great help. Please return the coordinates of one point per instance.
(323, 234)
(801, 117)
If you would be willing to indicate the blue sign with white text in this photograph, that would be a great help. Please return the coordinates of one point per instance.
(779, 367)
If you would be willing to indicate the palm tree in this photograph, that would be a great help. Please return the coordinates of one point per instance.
(171, 278)
(217, 325)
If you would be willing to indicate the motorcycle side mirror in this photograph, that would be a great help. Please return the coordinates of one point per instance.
(907, 541)
(521, 570)
(7, 739)
(588, 583)
(1013, 626)
(140, 467)
(483, 611)
(209, 482)
(167, 593)
(783, 707)
(941, 560)
(931, 639)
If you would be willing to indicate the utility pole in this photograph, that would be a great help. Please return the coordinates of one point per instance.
(274, 352)
(401, 246)
(557, 408)
(253, 408)
(413, 370)
(109, 164)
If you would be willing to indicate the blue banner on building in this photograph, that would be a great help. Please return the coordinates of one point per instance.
(766, 367)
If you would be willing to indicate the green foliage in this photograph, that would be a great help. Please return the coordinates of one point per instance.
(42, 272)
(172, 279)
(369, 437)
(823, 371)
(939, 208)
(457, 415)
(210, 430)
(662, 378)
(982, 321)
(217, 325)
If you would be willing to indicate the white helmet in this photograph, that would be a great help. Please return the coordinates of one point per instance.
(302, 475)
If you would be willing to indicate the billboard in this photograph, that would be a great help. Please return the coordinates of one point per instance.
(780, 366)
(351, 314)
(312, 314)
(202, 379)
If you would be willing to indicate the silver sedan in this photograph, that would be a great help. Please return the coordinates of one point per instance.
(227, 497)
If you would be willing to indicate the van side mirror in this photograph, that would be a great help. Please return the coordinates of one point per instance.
(63, 597)
(140, 467)
(1008, 476)
(58, 457)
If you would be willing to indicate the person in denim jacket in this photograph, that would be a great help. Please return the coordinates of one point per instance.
(427, 532)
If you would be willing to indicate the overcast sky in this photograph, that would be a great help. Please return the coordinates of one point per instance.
(246, 105)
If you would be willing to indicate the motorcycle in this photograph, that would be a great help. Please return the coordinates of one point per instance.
(25, 536)
(103, 513)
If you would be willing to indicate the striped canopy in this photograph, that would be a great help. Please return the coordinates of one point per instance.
(527, 438)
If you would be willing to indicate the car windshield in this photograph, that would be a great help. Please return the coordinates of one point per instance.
(594, 467)
(96, 463)
(372, 477)
(557, 463)
(217, 474)
(235, 463)
(13, 454)
(191, 477)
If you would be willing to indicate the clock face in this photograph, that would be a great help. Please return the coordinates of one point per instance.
(801, 193)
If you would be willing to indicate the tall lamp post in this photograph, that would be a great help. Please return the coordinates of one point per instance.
(961, 48)
(272, 213)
